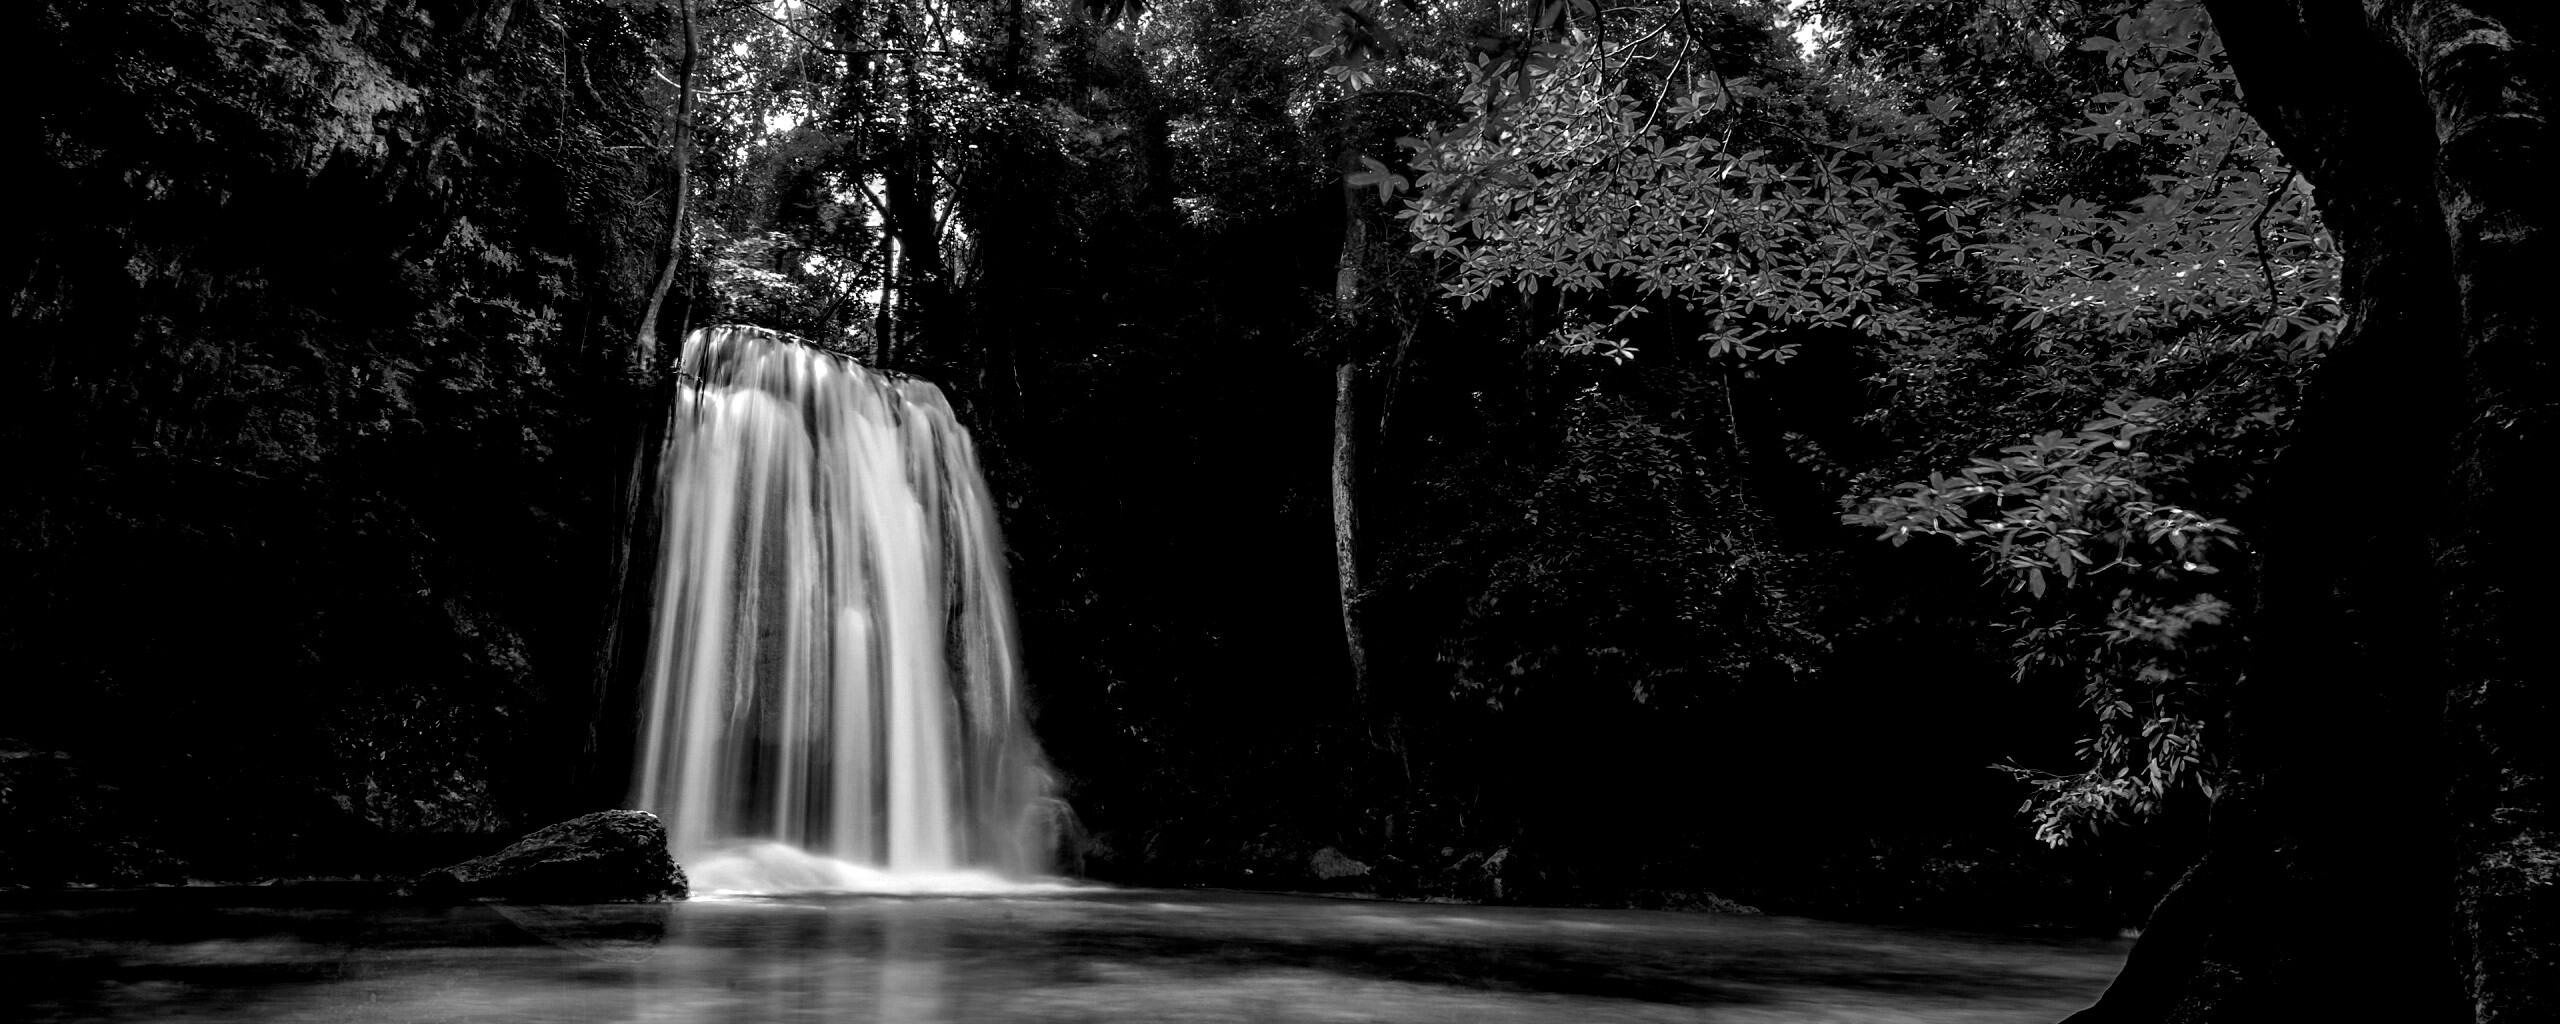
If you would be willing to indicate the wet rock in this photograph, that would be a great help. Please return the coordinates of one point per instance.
(605, 857)
(1330, 864)
(1692, 900)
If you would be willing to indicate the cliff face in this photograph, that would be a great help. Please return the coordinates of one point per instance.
(315, 312)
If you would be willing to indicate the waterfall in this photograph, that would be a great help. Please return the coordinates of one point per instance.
(833, 697)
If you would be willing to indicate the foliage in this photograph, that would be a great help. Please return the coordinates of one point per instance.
(2044, 304)
(2071, 509)
(2058, 499)
(2187, 299)
(2199, 305)
(1638, 559)
(1751, 233)
(313, 323)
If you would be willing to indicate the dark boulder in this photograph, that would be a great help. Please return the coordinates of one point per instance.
(605, 857)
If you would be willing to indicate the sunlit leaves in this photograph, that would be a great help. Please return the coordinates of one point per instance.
(1577, 187)
(2200, 295)
(2225, 247)
(2062, 510)
(2057, 506)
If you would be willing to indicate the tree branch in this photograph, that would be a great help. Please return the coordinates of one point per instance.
(839, 50)
(1665, 92)
(644, 345)
(2258, 228)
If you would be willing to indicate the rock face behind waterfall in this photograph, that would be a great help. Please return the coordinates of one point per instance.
(608, 856)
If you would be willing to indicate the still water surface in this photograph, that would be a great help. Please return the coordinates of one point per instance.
(1085, 956)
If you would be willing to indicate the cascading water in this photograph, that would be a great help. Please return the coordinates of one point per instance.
(833, 698)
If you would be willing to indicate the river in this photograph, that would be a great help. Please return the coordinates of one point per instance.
(1086, 955)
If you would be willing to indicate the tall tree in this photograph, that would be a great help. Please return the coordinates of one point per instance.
(646, 372)
(1349, 274)
(1366, 56)
(2387, 849)
(679, 189)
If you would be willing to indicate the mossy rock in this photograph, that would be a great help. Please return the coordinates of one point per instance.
(605, 857)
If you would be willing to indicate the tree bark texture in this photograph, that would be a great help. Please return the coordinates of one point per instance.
(1346, 518)
(2389, 849)
(1348, 271)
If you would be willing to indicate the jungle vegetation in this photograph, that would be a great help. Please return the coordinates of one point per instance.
(1993, 460)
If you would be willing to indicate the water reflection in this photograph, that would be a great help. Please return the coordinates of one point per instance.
(1117, 956)
(622, 933)
(884, 960)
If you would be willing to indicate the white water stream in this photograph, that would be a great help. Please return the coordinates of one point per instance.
(833, 696)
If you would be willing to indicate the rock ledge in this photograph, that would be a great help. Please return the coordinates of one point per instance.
(605, 857)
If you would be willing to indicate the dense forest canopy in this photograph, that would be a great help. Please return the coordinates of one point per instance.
(1821, 454)
(1625, 311)
(1614, 306)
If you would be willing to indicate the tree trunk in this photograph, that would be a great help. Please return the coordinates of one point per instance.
(1347, 282)
(631, 557)
(912, 213)
(884, 330)
(1346, 520)
(2388, 849)
(644, 346)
